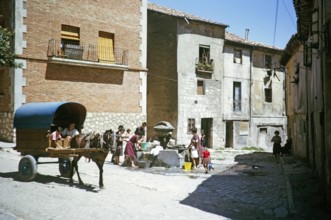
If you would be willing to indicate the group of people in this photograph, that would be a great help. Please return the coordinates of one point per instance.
(127, 145)
(61, 133)
(198, 152)
(278, 149)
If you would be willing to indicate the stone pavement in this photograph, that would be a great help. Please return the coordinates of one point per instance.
(249, 185)
(257, 187)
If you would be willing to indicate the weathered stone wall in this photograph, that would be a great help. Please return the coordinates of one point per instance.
(192, 105)
(7, 133)
(327, 118)
(236, 72)
(100, 122)
(173, 46)
(5, 95)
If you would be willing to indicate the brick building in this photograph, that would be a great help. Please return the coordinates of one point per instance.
(91, 52)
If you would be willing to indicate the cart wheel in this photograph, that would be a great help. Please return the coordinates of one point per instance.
(65, 165)
(27, 168)
(36, 158)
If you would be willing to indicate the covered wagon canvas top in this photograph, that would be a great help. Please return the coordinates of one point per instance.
(43, 115)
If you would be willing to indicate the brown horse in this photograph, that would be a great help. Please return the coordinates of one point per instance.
(99, 157)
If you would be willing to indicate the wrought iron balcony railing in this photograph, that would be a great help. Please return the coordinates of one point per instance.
(88, 52)
(236, 105)
(202, 64)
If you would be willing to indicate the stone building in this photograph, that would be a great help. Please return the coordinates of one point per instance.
(253, 92)
(185, 64)
(202, 76)
(307, 57)
(91, 52)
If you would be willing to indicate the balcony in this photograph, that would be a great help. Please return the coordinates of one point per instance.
(87, 55)
(237, 105)
(236, 109)
(204, 67)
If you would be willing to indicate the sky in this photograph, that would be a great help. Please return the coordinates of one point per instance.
(259, 16)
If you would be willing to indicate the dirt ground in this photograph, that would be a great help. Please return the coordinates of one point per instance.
(129, 193)
(156, 193)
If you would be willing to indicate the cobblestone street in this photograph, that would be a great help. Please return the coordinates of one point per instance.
(259, 188)
(244, 185)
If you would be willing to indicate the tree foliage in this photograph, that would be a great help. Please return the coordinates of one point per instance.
(7, 57)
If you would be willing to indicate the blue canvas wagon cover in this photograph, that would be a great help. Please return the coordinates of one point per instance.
(47, 114)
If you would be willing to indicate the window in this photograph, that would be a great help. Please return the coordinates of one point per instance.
(307, 54)
(106, 47)
(243, 128)
(263, 130)
(237, 96)
(203, 62)
(69, 35)
(204, 53)
(267, 94)
(314, 28)
(237, 56)
(70, 40)
(267, 61)
(200, 87)
(190, 124)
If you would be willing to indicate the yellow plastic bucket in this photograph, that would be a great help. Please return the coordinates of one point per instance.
(187, 166)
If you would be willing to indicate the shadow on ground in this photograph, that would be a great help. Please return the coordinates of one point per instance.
(255, 189)
(46, 179)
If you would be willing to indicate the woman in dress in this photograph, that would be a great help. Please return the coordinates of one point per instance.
(277, 147)
(131, 149)
(195, 147)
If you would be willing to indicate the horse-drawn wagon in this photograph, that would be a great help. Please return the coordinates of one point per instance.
(34, 122)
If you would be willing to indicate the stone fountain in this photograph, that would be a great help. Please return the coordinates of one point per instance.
(168, 154)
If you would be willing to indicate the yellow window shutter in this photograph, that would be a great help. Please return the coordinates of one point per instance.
(70, 32)
(106, 47)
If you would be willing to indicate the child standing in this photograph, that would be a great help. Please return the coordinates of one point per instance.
(203, 138)
(206, 158)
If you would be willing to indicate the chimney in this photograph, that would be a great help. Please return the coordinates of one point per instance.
(246, 33)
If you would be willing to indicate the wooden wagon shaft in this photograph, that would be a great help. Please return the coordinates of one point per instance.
(57, 152)
(73, 150)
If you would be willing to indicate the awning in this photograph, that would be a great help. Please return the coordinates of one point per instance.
(47, 114)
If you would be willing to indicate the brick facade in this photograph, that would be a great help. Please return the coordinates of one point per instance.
(100, 88)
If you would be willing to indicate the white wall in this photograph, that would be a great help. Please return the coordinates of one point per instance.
(196, 106)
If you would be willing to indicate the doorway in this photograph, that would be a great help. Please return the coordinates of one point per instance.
(261, 142)
(229, 134)
(206, 126)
